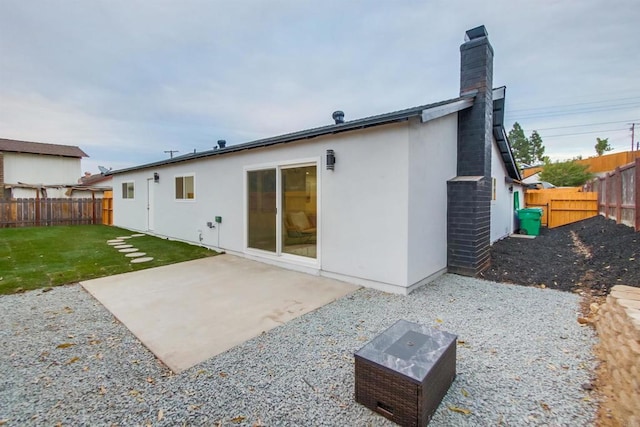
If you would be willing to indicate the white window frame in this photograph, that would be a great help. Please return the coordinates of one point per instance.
(133, 190)
(279, 255)
(184, 175)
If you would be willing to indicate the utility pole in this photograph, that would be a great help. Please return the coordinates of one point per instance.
(171, 152)
(633, 133)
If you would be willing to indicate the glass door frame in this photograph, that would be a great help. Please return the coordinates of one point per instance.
(279, 255)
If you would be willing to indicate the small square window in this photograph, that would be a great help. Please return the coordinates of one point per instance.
(185, 187)
(127, 190)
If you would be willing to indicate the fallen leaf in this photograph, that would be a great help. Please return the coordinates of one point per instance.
(102, 390)
(464, 392)
(194, 407)
(68, 309)
(222, 374)
(134, 392)
(552, 367)
(65, 345)
(583, 320)
(238, 419)
(459, 410)
(72, 360)
(439, 320)
(201, 372)
(150, 380)
(85, 368)
(545, 406)
(94, 342)
(3, 422)
(160, 415)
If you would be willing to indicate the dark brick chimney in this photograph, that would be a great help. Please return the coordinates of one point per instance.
(469, 194)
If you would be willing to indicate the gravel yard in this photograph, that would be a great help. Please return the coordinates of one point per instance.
(522, 360)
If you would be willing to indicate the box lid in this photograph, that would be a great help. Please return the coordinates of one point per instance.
(408, 348)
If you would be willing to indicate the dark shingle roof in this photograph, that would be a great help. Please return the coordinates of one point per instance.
(14, 146)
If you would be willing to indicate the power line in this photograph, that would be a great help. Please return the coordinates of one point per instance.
(584, 133)
(575, 111)
(586, 124)
(576, 105)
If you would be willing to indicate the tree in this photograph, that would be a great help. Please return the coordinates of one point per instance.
(526, 151)
(602, 145)
(537, 148)
(565, 174)
(520, 145)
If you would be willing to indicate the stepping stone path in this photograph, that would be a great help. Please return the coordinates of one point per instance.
(135, 254)
(142, 259)
(128, 250)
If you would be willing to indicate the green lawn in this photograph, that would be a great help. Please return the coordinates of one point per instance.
(38, 257)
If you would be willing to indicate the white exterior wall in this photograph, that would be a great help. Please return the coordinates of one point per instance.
(432, 161)
(362, 211)
(502, 212)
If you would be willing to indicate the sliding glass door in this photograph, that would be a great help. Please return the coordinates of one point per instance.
(283, 210)
(262, 210)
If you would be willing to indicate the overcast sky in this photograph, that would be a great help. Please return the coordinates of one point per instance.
(127, 80)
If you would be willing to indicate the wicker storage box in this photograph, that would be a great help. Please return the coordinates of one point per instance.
(404, 373)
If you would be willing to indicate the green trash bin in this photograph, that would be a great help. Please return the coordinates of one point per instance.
(530, 221)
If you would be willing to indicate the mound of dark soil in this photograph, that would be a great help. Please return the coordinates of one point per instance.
(594, 254)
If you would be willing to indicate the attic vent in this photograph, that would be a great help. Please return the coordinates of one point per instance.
(338, 116)
(222, 143)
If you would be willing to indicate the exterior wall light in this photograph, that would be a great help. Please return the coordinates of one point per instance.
(156, 177)
(331, 160)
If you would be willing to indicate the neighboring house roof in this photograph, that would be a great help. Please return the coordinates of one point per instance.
(94, 179)
(12, 145)
(425, 112)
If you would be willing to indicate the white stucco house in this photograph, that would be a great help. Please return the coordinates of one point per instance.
(389, 201)
(34, 169)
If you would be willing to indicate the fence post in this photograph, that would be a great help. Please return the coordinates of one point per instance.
(636, 194)
(38, 207)
(93, 205)
(618, 183)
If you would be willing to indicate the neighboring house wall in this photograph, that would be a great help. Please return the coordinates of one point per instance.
(381, 216)
(40, 169)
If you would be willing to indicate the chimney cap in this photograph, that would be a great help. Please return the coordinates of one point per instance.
(475, 33)
(338, 116)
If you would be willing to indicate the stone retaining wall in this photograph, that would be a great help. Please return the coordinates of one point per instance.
(618, 325)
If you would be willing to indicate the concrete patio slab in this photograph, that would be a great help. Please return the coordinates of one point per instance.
(188, 312)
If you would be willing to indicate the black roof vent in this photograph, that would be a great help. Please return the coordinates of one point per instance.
(338, 116)
(222, 143)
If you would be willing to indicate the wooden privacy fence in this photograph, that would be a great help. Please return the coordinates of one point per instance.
(618, 194)
(562, 206)
(47, 212)
(107, 208)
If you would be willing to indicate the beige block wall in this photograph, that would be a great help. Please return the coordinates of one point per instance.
(618, 325)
